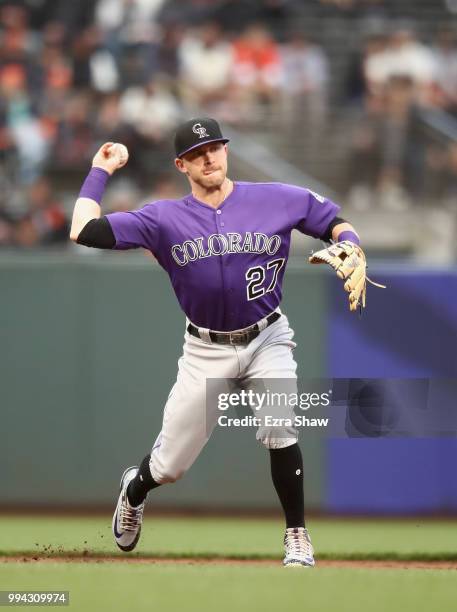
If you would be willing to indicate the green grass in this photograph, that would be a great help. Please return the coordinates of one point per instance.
(241, 538)
(192, 587)
(94, 588)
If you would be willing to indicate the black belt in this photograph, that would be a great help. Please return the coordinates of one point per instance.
(243, 336)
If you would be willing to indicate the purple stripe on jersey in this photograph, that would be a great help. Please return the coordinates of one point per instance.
(226, 265)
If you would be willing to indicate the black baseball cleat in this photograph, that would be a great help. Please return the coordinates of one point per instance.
(127, 520)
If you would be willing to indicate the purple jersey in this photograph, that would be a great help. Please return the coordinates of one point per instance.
(226, 264)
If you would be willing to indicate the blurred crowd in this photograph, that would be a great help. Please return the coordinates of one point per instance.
(402, 87)
(76, 74)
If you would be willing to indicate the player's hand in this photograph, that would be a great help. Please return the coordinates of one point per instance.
(111, 156)
(349, 262)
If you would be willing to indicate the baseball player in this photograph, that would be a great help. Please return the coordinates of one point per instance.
(225, 247)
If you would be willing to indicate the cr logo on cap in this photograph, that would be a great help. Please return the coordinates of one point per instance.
(200, 130)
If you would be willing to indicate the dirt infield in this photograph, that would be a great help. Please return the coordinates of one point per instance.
(342, 563)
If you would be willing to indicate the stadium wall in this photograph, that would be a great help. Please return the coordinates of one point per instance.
(89, 354)
(90, 349)
(408, 331)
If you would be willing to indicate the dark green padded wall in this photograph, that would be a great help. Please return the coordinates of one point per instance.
(89, 349)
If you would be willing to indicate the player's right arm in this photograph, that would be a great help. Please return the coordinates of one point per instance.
(122, 230)
(87, 208)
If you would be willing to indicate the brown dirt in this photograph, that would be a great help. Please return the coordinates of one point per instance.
(354, 564)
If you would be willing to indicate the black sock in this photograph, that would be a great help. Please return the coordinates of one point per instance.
(287, 475)
(142, 483)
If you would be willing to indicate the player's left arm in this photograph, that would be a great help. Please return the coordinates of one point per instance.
(342, 228)
(339, 229)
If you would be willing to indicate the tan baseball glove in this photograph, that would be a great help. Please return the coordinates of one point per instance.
(349, 262)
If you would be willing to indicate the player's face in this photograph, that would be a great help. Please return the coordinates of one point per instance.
(206, 166)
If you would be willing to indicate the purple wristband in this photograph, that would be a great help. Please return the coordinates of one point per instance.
(94, 185)
(348, 235)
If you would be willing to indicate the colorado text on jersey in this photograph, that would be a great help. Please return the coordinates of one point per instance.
(220, 244)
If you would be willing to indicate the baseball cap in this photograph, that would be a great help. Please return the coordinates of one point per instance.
(195, 133)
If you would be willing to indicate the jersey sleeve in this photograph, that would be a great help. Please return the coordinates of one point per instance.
(309, 212)
(136, 228)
